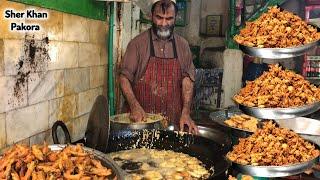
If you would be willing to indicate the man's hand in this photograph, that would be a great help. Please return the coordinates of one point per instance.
(186, 120)
(137, 114)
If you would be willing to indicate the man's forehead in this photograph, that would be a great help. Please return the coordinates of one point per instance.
(170, 10)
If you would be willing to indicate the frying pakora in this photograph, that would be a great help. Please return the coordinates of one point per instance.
(277, 29)
(159, 164)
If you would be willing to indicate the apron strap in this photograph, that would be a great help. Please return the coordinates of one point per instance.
(175, 54)
(152, 54)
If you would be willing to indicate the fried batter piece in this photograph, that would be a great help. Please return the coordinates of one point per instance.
(278, 88)
(272, 146)
(277, 29)
(39, 162)
(243, 121)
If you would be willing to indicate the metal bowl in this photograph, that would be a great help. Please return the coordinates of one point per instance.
(275, 171)
(116, 125)
(280, 113)
(278, 53)
(117, 173)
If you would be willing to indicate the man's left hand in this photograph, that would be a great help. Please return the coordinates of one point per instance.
(186, 120)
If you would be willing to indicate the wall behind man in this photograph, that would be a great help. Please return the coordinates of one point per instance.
(198, 10)
(51, 75)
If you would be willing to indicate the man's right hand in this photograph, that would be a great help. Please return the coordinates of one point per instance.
(137, 114)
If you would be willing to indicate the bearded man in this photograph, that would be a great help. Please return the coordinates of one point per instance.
(157, 73)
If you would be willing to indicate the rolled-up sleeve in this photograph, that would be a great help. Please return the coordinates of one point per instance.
(130, 62)
(189, 69)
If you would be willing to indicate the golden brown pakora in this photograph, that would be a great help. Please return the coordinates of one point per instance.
(272, 146)
(39, 162)
(243, 121)
(277, 29)
(278, 88)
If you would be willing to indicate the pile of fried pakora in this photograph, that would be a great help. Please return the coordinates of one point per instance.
(243, 121)
(272, 146)
(39, 162)
(277, 29)
(278, 88)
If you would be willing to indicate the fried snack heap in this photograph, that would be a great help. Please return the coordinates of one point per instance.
(39, 162)
(243, 121)
(278, 88)
(272, 146)
(277, 29)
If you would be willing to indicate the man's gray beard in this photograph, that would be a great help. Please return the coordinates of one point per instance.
(164, 34)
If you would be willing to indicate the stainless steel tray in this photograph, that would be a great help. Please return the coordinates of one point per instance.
(301, 125)
(280, 113)
(278, 53)
(105, 160)
(275, 171)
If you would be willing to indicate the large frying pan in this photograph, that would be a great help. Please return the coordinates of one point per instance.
(210, 146)
(209, 151)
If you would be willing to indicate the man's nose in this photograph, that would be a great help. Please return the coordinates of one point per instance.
(163, 22)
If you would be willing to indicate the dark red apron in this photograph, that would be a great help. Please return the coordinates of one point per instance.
(160, 89)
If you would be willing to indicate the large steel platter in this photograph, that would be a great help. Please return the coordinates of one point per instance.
(280, 113)
(105, 160)
(278, 53)
(275, 171)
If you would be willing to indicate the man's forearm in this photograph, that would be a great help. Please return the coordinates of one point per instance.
(187, 93)
(127, 92)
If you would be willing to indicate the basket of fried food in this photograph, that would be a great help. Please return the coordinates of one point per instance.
(273, 152)
(278, 94)
(54, 162)
(243, 122)
(277, 34)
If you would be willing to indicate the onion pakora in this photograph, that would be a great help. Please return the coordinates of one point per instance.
(39, 162)
(243, 121)
(278, 88)
(272, 146)
(277, 29)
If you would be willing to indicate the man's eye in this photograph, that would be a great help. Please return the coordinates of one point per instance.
(159, 17)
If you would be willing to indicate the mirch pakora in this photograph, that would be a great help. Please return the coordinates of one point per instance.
(39, 162)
